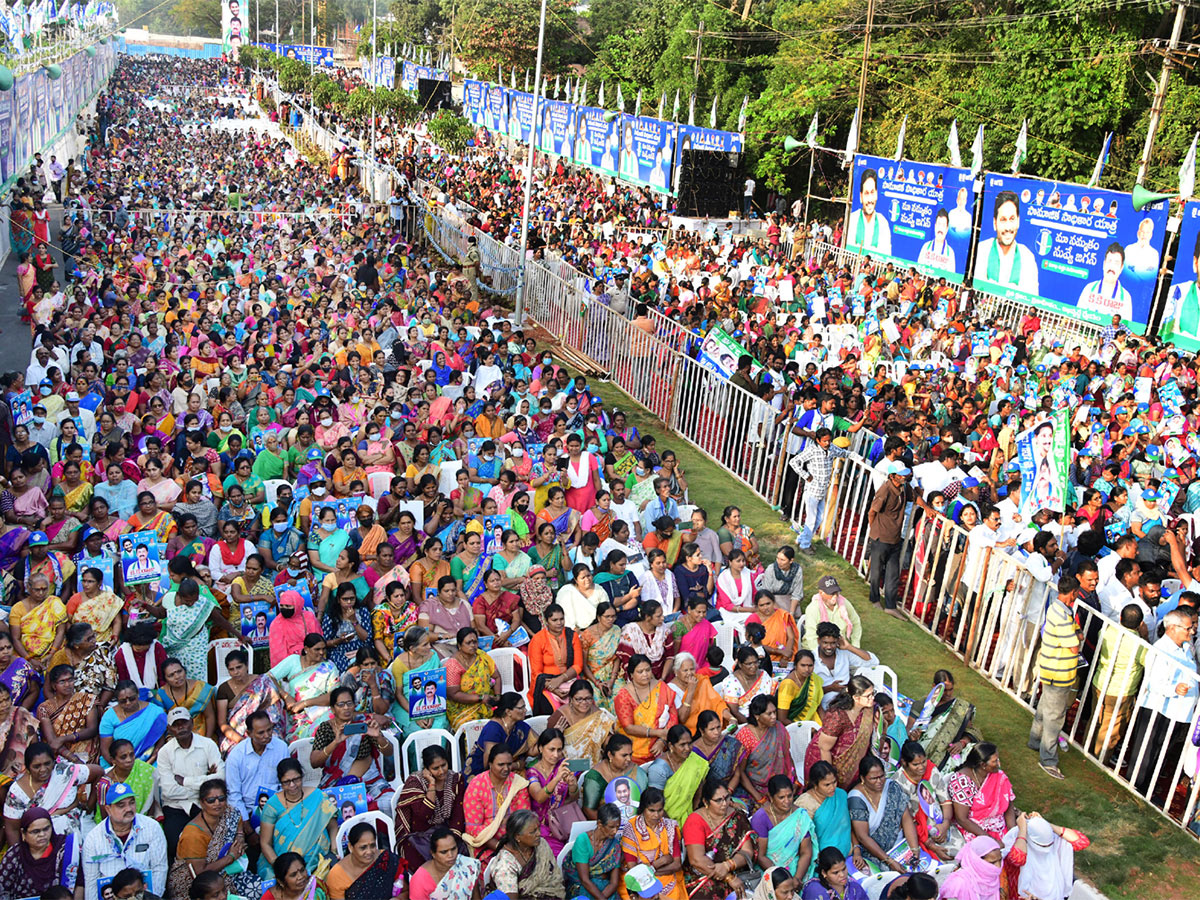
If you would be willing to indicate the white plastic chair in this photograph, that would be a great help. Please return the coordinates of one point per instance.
(448, 476)
(378, 483)
(220, 650)
(800, 735)
(884, 678)
(467, 737)
(300, 751)
(375, 818)
(537, 724)
(577, 828)
(429, 737)
(417, 508)
(685, 512)
(507, 660)
(725, 635)
(272, 490)
(737, 620)
(398, 766)
(874, 884)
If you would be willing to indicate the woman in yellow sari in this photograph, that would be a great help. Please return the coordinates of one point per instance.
(76, 492)
(472, 683)
(148, 517)
(38, 623)
(97, 606)
(584, 724)
(783, 637)
(644, 711)
(801, 691)
(650, 836)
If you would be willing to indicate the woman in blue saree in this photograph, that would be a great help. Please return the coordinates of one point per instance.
(786, 834)
(138, 721)
(21, 679)
(470, 566)
(828, 806)
(296, 818)
(596, 858)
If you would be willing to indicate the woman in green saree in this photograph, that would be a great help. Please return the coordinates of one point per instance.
(269, 464)
(600, 663)
(950, 729)
(786, 834)
(189, 612)
(616, 761)
(416, 656)
(510, 560)
(547, 552)
(684, 782)
(305, 680)
(595, 861)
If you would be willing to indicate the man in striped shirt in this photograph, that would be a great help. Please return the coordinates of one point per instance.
(1058, 668)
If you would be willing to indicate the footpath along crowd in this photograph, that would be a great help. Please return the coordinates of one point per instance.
(269, 420)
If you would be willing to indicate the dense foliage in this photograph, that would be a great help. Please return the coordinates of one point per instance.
(450, 131)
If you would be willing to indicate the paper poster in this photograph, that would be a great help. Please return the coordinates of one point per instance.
(626, 794)
(346, 507)
(427, 693)
(1044, 456)
(348, 799)
(22, 407)
(257, 617)
(140, 560)
(103, 563)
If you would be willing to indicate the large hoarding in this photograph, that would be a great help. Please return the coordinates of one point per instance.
(647, 152)
(1180, 322)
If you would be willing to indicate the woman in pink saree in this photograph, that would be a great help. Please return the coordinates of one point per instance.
(982, 794)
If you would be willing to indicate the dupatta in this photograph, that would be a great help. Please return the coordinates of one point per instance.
(770, 755)
(784, 840)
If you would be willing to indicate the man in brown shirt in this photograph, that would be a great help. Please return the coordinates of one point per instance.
(886, 519)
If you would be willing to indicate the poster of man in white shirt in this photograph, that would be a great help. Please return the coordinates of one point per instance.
(1107, 296)
(1140, 256)
(1001, 262)
(938, 253)
(870, 231)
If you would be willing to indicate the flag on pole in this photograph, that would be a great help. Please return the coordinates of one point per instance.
(712, 113)
(527, 81)
(499, 73)
(637, 105)
(675, 107)
(620, 98)
(1101, 161)
(900, 138)
(557, 87)
(1187, 172)
(811, 137)
(852, 139)
(600, 102)
(952, 143)
(583, 92)
(358, 28)
(1022, 149)
(692, 110)
(512, 78)
(662, 104)
(742, 114)
(977, 154)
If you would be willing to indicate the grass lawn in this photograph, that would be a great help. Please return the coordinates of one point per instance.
(1135, 852)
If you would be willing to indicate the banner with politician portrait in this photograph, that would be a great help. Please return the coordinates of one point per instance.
(912, 214)
(520, 115)
(647, 152)
(555, 127)
(495, 109)
(1069, 249)
(597, 142)
(1044, 456)
(1180, 322)
(473, 94)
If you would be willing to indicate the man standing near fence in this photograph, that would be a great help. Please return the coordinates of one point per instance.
(471, 267)
(886, 520)
(1058, 670)
(814, 465)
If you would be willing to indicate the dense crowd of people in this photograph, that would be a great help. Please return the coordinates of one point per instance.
(262, 413)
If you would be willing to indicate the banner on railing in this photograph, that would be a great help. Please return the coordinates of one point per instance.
(597, 142)
(556, 128)
(520, 115)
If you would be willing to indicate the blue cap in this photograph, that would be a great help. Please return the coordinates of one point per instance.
(1014, 466)
(314, 453)
(38, 539)
(1153, 450)
(970, 482)
(117, 791)
(1150, 495)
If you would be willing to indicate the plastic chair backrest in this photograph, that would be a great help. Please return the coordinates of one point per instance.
(374, 817)
(220, 650)
(378, 483)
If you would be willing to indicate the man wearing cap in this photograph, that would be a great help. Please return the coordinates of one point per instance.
(828, 605)
(886, 520)
(185, 762)
(83, 418)
(125, 839)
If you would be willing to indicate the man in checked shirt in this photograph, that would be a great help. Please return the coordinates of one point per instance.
(814, 465)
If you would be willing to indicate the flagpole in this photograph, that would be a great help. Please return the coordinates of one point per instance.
(812, 155)
(519, 310)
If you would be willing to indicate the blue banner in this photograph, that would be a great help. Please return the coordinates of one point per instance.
(912, 214)
(381, 72)
(520, 115)
(647, 152)
(1069, 249)
(597, 142)
(411, 73)
(321, 56)
(693, 138)
(555, 131)
(473, 94)
(8, 158)
(1180, 322)
(495, 109)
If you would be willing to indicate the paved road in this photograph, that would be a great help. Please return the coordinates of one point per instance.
(16, 340)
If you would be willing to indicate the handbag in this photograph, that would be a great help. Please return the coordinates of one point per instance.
(562, 818)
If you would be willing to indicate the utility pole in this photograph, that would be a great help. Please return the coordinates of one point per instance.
(1160, 92)
(278, 39)
(699, 44)
(862, 75)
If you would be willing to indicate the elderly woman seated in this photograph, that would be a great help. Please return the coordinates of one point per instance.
(524, 866)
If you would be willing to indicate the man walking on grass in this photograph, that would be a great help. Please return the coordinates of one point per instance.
(1058, 671)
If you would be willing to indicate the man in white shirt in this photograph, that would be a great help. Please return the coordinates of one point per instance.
(185, 762)
(623, 508)
(1120, 590)
(936, 475)
(125, 839)
(1106, 566)
(36, 370)
(1165, 710)
(984, 535)
(83, 417)
(1002, 262)
(837, 660)
(893, 449)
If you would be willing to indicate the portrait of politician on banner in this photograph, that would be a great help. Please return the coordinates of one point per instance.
(1044, 456)
(1180, 321)
(870, 232)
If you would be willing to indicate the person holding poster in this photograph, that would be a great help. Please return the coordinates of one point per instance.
(1106, 295)
(1181, 313)
(1042, 473)
(870, 231)
(938, 253)
(1004, 261)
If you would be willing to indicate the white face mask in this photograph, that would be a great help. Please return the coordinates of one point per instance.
(517, 452)
(326, 421)
(319, 491)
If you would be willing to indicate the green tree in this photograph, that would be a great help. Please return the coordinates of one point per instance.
(451, 132)
(490, 33)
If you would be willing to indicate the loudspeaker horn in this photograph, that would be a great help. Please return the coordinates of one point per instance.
(1143, 197)
(790, 144)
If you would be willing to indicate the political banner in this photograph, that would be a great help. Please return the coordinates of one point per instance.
(8, 148)
(1044, 456)
(426, 693)
(495, 109)
(233, 29)
(473, 94)
(1180, 322)
(555, 127)
(720, 351)
(140, 560)
(309, 53)
(647, 152)
(257, 617)
(597, 142)
(520, 115)
(380, 72)
(22, 407)
(412, 73)
(912, 214)
(1070, 249)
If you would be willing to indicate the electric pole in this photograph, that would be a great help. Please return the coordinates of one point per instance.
(699, 44)
(1160, 92)
(862, 75)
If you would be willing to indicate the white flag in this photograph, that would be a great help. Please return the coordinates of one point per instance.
(1101, 161)
(1022, 148)
(692, 110)
(900, 138)
(811, 137)
(742, 114)
(662, 105)
(1187, 172)
(675, 107)
(977, 154)
(712, 113)
(620, 98)
(557, 87)
(527, 81)
(600, 102)
(851, 140)
(952, 143)
(637, 105)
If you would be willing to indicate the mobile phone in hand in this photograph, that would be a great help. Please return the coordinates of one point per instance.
(355, 728)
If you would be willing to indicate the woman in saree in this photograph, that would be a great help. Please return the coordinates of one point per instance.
(507, 727)
(648, 637)
(522, 519)
(50, 784)
(620, 585)
(296, 818)
(782, 638)
(97, 606)
(593, 867)
(599, 644)
(127, 769)
(786, 834)
(720, 754)
(345, 758)
(881, 821)
(189, 614)
(552, 785)
(346, 625)
(678, 751)
(536, 597)
(827, 804)
(22, 680)
(429, 800)
(982, 794)
(846, 729)
(472, 682)
(38, 624)
(18, 727)
(744, 683)
(469, 566)
(446, 872)
(241, 696)
(148, 517)
(547, 554)
(800, 691)
(651, 838)
(213, 842)
(951, 723)
(305, 681)
(510, 560)
(694, 633)
(405, 540)
(138, 721)
(292, 881)
(616, 761)
(23, 503)
(929, 802)
(69, 718)
(102, 519)
(393, 617)
(644, 711)
(43, 858)
(767, 748)
(598, 520)
(719, 843)
(524, 866)
(416, 656)
(489, 799)
(191, 694)
(75, 492)
(427, 571)
(584, 725)
(326, 541)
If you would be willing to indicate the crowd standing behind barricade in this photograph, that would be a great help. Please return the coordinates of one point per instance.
(282, 427)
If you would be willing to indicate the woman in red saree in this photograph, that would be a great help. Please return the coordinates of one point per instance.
(644, 710)
(982, 794)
